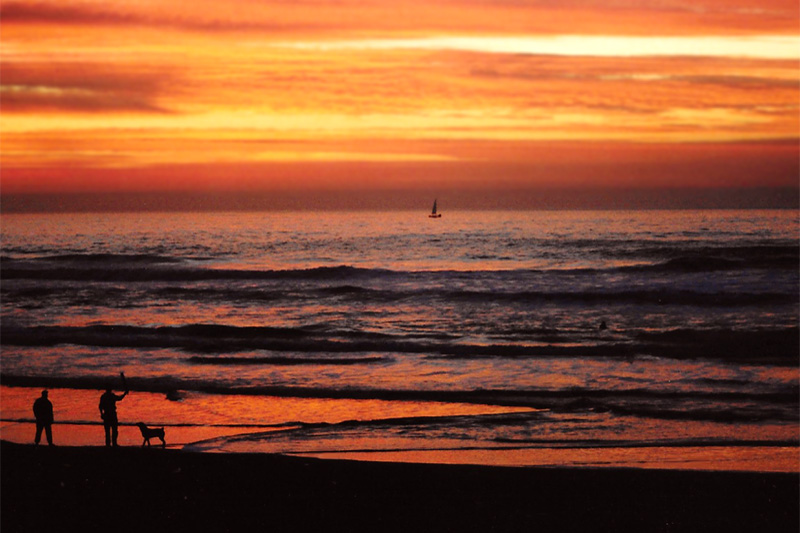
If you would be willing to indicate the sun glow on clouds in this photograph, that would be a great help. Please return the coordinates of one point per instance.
(378, 88)
(754, 46)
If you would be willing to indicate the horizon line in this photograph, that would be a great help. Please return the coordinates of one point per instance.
(551, 199)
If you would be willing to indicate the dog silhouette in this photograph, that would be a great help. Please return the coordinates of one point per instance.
(151, 433)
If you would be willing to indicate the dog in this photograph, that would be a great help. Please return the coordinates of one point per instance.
(151, 433)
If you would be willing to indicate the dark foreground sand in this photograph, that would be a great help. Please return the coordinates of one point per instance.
(145, 490)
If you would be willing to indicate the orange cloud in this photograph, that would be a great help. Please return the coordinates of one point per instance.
(127, 95)
(410, 17)
(474, 166)
(80, 87)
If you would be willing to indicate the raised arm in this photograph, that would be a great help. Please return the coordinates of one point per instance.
(124, 385)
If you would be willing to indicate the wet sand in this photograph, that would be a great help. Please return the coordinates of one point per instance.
(135, 489)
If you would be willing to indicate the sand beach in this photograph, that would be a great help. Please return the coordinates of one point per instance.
(151, 489)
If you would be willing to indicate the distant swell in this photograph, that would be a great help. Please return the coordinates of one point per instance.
(120, 270)
(767, 345)
(110, 258)
(723, 342)
(211, 338)
(660, 297)
(154, 267)
(708, 263)
(356, 294)
(287, 361)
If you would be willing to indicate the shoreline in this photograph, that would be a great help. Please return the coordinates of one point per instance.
(755, 457)
(78, 425)
(138, 489)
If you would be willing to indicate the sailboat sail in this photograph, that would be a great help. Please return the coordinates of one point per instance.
(434, 214)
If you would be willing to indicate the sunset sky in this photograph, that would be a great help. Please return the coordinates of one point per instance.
(508, 102)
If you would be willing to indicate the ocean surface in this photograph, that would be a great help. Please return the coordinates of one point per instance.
(664, 339)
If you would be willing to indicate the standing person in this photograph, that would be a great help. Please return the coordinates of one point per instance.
(43, 411)
(108, 412)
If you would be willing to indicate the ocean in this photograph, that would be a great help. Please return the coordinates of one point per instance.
(659, 339)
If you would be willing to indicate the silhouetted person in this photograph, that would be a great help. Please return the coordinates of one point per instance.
(108, 412)
(603, 325)
(43, 411)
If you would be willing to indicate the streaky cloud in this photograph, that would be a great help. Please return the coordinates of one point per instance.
(758, 46)
(410, 17)
(38, 98)
(80, 87)
(17, 12)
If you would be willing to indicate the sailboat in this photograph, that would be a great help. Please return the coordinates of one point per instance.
(434, 214)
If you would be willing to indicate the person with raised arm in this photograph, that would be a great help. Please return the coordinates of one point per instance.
(108, 412)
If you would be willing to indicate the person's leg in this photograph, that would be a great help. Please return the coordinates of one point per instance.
(114, 432)
(38, 436)
(48, 429)
(107, 428)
